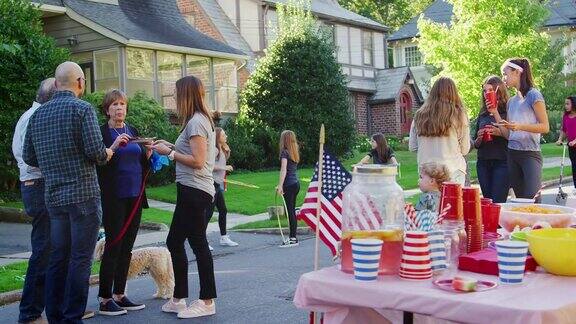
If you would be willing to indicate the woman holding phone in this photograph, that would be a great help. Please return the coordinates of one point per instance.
(527, 121)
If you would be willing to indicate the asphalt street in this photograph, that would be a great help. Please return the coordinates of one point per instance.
(255, 283)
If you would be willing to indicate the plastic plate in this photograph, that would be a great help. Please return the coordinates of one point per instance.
(482, 285)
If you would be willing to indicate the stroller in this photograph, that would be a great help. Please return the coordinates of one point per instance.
(562, 196)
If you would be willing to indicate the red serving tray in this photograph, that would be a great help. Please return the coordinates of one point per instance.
(486, 262)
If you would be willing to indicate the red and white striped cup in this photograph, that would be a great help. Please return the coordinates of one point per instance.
(416, 264)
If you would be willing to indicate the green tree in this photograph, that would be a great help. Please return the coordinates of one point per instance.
(484, 33)
(27, 56)
(298, 85)
(391, 13)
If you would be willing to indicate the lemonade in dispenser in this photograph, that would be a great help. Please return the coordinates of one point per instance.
(373, 207)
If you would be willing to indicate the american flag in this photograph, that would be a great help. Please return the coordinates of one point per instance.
(334, 179)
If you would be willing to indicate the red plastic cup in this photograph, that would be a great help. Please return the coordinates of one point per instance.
(491, 217)
(485, 201)
(471, 194)
(492, 98)
(486, 137)
(451, 189)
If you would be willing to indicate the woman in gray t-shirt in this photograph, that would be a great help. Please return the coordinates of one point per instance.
(194, 153)
(527, 120)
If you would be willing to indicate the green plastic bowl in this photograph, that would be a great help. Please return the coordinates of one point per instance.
(518, 236)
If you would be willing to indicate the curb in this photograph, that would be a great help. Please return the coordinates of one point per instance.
(14, 215)
(13, 296)
(272, 230)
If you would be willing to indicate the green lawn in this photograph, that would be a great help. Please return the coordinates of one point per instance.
(12, 275)
(154, 215)
(12, 204)
(250, 201)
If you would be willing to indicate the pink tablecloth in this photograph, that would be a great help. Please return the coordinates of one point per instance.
(542, 298)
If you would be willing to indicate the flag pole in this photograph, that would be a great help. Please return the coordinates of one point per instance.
(319, 202)
(318, 208)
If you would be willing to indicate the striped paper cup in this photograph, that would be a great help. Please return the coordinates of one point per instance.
(511, 261)
(366, 258)
(415, 264)
(437, 250)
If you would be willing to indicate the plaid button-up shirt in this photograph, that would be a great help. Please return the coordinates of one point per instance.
(64, 140)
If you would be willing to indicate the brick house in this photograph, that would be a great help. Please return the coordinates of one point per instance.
(376, 104)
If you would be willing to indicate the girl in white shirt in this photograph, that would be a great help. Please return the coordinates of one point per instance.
(440, 131)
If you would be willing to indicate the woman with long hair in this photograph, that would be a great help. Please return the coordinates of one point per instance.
(288, 184)
(440, 131)
(492, 165)
(194, 153)
(381, 153)
(527, 120)
(219, 173)
(120, 180)
(568, 131)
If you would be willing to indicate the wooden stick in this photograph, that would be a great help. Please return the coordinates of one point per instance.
(319, 206)
(319, 202)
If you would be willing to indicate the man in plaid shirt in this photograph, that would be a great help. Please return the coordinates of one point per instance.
(63, 139)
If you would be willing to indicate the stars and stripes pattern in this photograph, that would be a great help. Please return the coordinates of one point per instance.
(334, 179)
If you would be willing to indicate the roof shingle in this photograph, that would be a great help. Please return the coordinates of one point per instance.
(331, 8)
(562, 13)
(150, 21)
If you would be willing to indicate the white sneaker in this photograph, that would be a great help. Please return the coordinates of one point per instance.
(291, 242)
(197, 309)
(226, 241)
(210, 247)
(172, 307)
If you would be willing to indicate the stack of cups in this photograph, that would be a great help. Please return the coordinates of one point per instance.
(437, 250)
(511, 261)
(415, 264)
(366, 258)
(473, 218)
(452, 194)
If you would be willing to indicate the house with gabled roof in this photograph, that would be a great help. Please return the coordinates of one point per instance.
(250, 25)
(146, 45)
(143, 45)
(403, 44)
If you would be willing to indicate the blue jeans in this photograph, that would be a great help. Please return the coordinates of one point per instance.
(32, 302)
(74, 229)
(493, 178)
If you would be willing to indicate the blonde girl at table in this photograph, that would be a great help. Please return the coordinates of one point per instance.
(440, 131)
(527, 121)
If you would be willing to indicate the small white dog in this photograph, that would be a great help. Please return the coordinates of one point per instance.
(155, 260)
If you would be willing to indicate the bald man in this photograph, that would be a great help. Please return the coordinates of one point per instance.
(32, 189)
(64, 141)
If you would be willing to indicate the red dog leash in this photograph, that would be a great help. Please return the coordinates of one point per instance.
(132, 214)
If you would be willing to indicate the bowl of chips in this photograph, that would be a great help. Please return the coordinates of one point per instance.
(527, 215)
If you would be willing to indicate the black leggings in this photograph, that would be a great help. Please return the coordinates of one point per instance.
(290, 194)
(189, 222)
(116, 258)
(525, 172)
(572, 154)
(222, 210)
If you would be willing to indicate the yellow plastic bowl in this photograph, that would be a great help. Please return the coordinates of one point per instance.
(554, 249)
